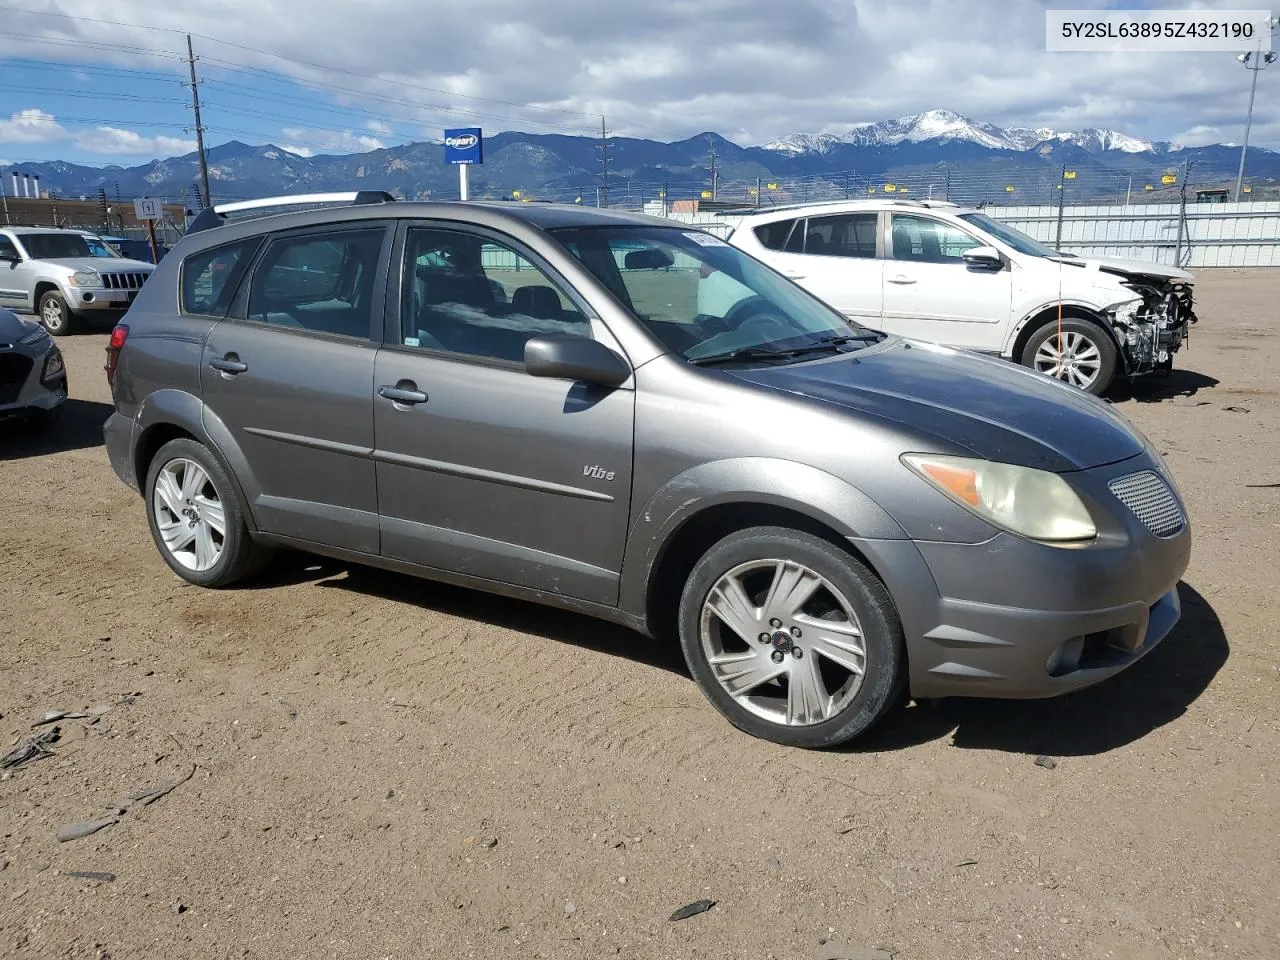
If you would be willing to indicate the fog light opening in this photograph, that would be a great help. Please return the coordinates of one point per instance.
(1065, 658)
(87, 297)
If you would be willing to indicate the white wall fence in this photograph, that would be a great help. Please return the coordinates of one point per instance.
(1212, 235)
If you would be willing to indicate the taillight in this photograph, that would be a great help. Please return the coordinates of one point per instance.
(118, 336)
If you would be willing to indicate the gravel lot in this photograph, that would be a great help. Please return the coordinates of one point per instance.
(359, 739)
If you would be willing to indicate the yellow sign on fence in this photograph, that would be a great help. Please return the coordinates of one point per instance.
(1068, 174)
(890, 187)
(1169, 178)
(706, 194)
(1008, 188)
(771, 186)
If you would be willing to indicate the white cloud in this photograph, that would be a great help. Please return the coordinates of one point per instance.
(306, 142)
(377, 126)
(118, 141)
(31, 126)
(756, 67)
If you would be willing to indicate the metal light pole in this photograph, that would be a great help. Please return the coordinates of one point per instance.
(1255, 63)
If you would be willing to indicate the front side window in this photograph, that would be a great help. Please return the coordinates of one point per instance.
(100, 248)
(320, 282)
(1010, 235)
(470, 295)
(210, 277)
(7, 249)
(706, 300)
(843, 235)
(927, 240)
(56, 246)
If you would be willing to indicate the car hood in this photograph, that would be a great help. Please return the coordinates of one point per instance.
(989, 407)
(13, 328)
(1132, 267)
(102, 264)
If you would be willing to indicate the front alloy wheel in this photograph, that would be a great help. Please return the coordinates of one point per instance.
(1077, 352)
(796, 657)
(791, 637)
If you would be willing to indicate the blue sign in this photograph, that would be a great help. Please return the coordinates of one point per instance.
(464, 145)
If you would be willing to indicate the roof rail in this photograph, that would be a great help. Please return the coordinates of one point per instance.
(214, 216)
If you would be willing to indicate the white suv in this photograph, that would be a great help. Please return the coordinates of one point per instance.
(935, 271)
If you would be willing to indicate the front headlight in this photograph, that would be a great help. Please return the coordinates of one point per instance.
(53, 365)
(1035, 504)
(1126, 312)
(86, 278)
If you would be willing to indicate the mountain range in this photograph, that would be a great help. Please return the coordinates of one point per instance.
(973, 157)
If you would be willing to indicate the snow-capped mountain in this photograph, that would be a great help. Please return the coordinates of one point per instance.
(947, 126)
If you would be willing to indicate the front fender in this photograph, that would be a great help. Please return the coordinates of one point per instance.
(816, 494)
(1095, 313)
(187, 412)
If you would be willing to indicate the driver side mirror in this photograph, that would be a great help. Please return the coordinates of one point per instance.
(10, 256)
(984, 258)
(564, 356)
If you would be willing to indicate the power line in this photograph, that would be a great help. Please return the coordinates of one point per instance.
(317, 66)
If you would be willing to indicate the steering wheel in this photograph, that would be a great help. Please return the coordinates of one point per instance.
(754, 311)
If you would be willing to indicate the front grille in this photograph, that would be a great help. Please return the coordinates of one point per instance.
(123, 281)
(14, 370)
(1151, 501)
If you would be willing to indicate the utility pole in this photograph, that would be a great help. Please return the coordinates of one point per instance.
(712, 167)
(1182, 215)
(1255, 63)
(603, 147)
(1062, 198)
(195, 107)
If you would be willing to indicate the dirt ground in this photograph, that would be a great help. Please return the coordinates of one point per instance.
(360, 738)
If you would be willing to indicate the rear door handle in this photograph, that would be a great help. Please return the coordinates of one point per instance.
(406, 391)
(230, 364)
(901, 279)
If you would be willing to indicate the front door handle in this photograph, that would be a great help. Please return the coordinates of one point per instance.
(228, 365)
(406, 392)
(794, 276)
(901, 279)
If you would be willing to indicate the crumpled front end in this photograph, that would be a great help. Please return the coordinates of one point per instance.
(1152, 328)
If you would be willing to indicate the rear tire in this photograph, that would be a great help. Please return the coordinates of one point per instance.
(55, 315)
(1089, 362)
(197, 519)
(805, 594)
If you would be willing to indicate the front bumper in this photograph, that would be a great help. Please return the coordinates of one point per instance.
(22, 390)
(1014, 619)
(96, 299)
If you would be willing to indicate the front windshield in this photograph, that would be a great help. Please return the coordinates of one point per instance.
(1014, 238)
(64, 246)
(705, 299)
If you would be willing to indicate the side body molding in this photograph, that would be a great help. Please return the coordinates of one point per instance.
(821, 496)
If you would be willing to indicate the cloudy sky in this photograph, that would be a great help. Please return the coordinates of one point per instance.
(347, 75)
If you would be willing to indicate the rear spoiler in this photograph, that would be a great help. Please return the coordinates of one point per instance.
(215, 216)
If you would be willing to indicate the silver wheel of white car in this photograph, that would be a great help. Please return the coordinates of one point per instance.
(55, 315)
(1081, 354)
(189, 515)
(790, 637)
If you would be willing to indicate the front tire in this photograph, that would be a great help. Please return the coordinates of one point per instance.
(197, 519)
(55, 315)
(760, 595)
(1085, 357)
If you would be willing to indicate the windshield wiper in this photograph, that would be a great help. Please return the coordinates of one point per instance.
(761, 353)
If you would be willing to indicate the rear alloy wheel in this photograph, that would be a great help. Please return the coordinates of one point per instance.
(1083, 355)
(55, 315)
(196, 518)
(791, 638)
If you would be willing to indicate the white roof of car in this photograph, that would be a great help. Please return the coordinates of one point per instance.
(784, 211)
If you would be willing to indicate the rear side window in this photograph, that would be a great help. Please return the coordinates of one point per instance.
(774, 235)
(210, 277)
(321, 282)
(843, 235)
